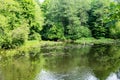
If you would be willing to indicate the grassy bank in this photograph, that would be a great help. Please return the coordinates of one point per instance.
(79, 41)
(96, 41)
(82, 41)
(28, 47)
(35, 46)
(40, 43)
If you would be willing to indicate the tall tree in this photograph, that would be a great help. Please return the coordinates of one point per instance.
(71, 14)
(113, 20)
(32, 14)
(18, 18)
(99, 9)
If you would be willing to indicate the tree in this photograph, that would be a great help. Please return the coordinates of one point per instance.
(68, 13)
(54, 32)
(112, 19)
(32, 14)
(16, 17)
(99, 9)
(114, 12)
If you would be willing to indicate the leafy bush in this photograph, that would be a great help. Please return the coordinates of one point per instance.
(6, 41)
(115, 30)
(78, 32)
(99, 31)
(19, 36)
(35, 36)
(13, 13)
(85, 32)
(53, 32)
(14, 38)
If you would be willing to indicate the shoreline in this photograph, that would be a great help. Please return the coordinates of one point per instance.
(33, 45)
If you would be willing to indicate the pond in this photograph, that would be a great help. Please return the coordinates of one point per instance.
(62, 62)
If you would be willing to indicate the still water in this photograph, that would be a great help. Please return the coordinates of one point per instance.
(62, 62)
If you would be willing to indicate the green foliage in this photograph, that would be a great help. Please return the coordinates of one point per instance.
(3, 24)
(3, 21)
(18, 19)
(35, 36)
(99, 31)
(31, 12)
(11, 10)
(68, 13)
(63, 19)
(6, 41)
(112, 20)
(4, 37)
(19, 36)
(115, 30)
(99, 9)
(95, 41)
(53, 32)
(78, 32)
(44, 6)
(92, 14)
(85, 32)
(114, 10)
(15, 38)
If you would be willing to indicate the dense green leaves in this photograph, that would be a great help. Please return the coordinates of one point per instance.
(97, 13)
(79, 18)
(53, 32)
(115, 30)
(112, 20)
(69, 13)
(15, 17)
(63, 20)
(31, 13)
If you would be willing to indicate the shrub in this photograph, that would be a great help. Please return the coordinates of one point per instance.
(6, 41)
(115, 30)
(13, 38)
(19, 36)
(85, 31)
(35, 36)
(78, 32)
(53, 32)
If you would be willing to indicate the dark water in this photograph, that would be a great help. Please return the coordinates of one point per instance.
(62, 62)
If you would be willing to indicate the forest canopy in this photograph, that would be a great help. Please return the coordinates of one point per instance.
(23, 20)
(74, 19)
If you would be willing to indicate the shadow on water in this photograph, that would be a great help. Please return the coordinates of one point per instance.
(62, 62)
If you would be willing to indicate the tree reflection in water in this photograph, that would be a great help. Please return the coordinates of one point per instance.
(64, 62)
(101, 59)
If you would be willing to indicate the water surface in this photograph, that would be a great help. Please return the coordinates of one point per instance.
(62, 62)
